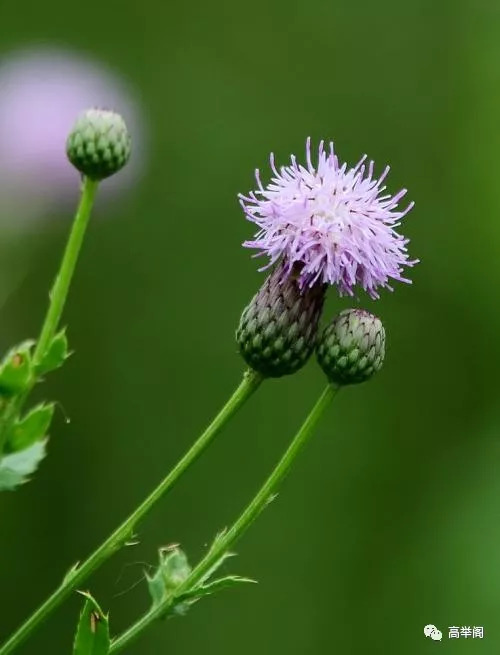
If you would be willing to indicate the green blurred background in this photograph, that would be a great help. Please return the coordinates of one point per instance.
(391, 520)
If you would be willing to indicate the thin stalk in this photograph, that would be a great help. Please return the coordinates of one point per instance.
(59, 292)
(57, 299)
(125, 531)
(228, 539)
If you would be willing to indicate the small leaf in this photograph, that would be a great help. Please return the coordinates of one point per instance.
(30, 428)
(216, 566)
(172, 571)
(174, 567)
(156, 588)
(55, 355)
(71, 573)
(15, 369)
(214, 587)
(92, 633)
(15, 468)
(220, 561)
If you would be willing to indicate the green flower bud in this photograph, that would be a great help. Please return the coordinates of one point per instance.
(352, 348)
(99, 144)
(278, 329)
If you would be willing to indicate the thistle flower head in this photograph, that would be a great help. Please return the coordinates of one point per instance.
(278, 329)
(352, 347)
(99, 143)
(337, 223)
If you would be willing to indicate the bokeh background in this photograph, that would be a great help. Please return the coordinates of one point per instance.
(391, 519)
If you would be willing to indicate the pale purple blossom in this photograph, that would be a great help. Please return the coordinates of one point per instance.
(42, 92)
(334, 224)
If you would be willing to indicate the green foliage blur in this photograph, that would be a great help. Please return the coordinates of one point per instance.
(390, 521)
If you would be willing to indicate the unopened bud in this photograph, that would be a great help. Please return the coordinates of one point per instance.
(278, 329)
(99, 144)
(352, 348)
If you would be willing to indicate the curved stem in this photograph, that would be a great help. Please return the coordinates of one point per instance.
(228, 539)
(119, 537)
(57, 296)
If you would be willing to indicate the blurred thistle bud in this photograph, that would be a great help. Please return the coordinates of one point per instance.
(278, 329)
(99, 144)
(352, 347)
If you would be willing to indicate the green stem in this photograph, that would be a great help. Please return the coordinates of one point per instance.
(228, 539)
(119, 537)
(58, 295)
(59, 291)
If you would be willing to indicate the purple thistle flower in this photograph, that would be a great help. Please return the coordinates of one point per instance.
(334, 223)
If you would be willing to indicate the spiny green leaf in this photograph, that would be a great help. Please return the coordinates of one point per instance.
(15, 468)
(215, 586)
(30, 428)
(92, 633)
(220, 561)
(216, 566)
(15, 369)
(55, 355)
(173, 571)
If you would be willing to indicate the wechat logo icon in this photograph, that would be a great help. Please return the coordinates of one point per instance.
(432, 632)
